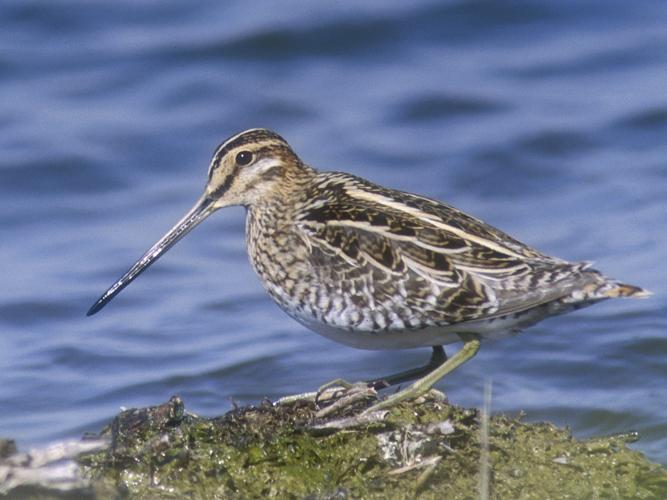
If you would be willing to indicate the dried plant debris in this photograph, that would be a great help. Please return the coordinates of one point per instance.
(50, 472)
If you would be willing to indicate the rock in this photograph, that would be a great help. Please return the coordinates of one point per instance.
(431, 449)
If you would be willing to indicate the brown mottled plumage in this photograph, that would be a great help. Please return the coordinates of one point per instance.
(377, 268)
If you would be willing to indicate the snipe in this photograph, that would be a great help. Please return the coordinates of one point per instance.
(376, 268)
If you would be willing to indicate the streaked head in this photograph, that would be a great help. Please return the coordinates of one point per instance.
(247, 168)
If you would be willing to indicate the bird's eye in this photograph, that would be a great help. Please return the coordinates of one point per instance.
(243, 158)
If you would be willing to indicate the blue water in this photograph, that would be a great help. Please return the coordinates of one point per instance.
(547, 119)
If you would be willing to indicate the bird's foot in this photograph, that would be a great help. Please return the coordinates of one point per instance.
(355, 420)
(348, 398)
(336, 388)
(341, 394)
(333, 396)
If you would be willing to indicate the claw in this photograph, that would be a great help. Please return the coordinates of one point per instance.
(350, 396)
(335, 389)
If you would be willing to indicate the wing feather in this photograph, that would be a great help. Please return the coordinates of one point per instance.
(469, 267)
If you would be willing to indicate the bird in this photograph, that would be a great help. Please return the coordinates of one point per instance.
(378, 268)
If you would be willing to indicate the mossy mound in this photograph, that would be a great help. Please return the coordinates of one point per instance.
(428, 449)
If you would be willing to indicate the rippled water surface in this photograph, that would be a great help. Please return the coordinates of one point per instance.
(547, 119)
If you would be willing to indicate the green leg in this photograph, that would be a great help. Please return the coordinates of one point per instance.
(438, 357)
(421, 386)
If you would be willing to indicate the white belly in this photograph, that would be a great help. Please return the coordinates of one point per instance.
(425, 337)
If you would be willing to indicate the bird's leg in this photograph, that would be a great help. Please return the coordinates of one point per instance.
(422, 385)
(437, 367)
(438, 357)
(339, 385)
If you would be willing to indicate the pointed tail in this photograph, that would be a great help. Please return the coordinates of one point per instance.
(623, 290)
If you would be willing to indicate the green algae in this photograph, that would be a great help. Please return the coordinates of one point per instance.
(426, 449)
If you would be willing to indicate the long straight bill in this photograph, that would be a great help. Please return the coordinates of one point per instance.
(202, 209)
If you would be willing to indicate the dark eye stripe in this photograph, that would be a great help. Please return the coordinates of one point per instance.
(220, 190)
